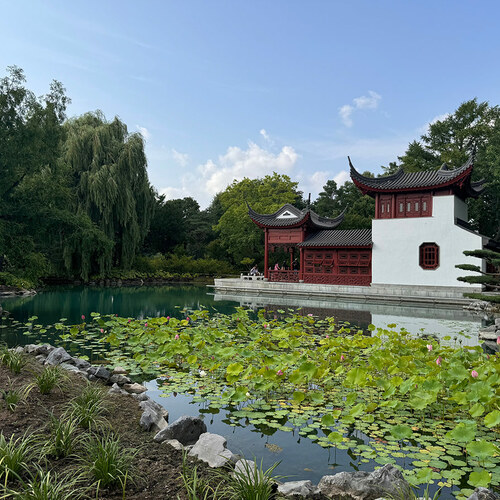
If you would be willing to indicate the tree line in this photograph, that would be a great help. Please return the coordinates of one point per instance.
(76, 201)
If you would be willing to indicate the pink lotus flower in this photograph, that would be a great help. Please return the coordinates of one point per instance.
(474, 374)
(438, 360)
(146, 324)
(342, 357)
(176, 336)
(327, 336)
(310, 315)
(168, 317)
(429, 347)
(129, 320)
(498, 340)
(83, 316)
(187, 318)
(265, 326)
(279, 373)
(102, 330)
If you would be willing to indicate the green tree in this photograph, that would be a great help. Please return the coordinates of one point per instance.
(108, 171)
(237, 234)
(30, 137)
(333, 200)
(489, 278)
(474, 128)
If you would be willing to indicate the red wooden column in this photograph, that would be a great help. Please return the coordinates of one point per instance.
(301, 263)
(266, 251)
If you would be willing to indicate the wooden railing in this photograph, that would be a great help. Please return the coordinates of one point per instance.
(287, 276)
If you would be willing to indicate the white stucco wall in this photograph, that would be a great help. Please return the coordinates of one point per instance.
(396, 242)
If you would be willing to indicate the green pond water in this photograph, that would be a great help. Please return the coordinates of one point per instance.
(300, 457)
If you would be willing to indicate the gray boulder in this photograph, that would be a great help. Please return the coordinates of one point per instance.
(119, 379)
(483, 494)
(211, 448)
(57, 356)
(140, 397)
(81, 364)
(115, 389)
(70, 368)
(134, 388)
(384, 482)
(99, 372)
(154, 417)
(44, 349)
(31, 348)
(185, 429)
(300, 489)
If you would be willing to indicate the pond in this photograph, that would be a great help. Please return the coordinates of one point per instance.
(301, 457)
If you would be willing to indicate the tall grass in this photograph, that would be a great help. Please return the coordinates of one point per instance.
(16, 454)
(88, 408)
(50, 378)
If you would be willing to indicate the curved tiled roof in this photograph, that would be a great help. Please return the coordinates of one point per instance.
(414, 181)
(290, 216)
(339, 238)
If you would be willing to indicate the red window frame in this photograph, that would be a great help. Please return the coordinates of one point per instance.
(429, 256)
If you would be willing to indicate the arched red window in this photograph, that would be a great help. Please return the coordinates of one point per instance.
(429, 256)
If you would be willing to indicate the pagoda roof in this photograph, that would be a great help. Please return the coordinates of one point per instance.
(458, 178)
(339, 238)
(290, 216)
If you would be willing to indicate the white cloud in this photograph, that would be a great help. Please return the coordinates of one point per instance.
(214, 176)
(342, 177)
(345, 113)
(264, 134)
(144, 132)
(371, 101)
(367, 102)
(180, 158)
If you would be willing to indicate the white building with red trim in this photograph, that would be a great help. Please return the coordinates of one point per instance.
(419, 233)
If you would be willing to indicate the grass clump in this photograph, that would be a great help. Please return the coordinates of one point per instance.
(43, 485)
(64, 437)
(196, 487)
(16, 454)
(88, 408)
(50, 378)
(107, 463)
(13, 360)
(13, 396)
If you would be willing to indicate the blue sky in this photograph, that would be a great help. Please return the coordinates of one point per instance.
(223, 90)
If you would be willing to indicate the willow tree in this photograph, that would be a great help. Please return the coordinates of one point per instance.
(108, 166)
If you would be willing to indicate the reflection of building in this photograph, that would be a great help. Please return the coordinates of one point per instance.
(418, 234)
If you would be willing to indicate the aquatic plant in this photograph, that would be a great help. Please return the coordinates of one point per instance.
(423, 403)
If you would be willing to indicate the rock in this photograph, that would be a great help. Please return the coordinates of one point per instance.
(211, 448)
(140, 397)
(185, 429)
(41, 358)
(156, 406)
(99, 372)
(119, 370)
(490, 347)
(115, 389)
(134, 388)
(174, 444)
(497, 324)
(81, 364)
(483, 494)
(70, 368)
(119, 379)
(44, 349)
(299, 489)
(18, 349)
(152, 418)
(30, 348)
(57, 356)
(361, 485)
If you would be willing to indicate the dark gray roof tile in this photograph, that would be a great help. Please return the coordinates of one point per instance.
(339, 238)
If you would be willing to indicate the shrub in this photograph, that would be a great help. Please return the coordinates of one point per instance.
(64, 437)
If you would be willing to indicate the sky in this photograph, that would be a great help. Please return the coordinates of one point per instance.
(227, 89)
